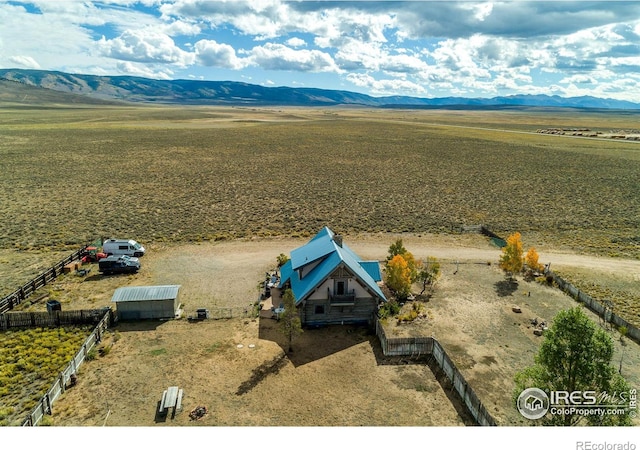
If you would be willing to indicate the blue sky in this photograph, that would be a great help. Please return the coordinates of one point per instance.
(417, 48)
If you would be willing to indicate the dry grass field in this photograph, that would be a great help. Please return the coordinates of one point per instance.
(217, 193)
(191, 174)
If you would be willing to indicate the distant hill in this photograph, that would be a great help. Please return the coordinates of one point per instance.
(194, 92)
(20, 94)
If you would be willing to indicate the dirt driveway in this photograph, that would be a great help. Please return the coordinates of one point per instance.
(336, 375)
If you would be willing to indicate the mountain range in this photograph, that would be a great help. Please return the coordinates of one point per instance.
(107, 89)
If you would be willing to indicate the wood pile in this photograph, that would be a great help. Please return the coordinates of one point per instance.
(198, 413)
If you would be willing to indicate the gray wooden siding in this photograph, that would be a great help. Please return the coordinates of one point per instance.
(361, 312)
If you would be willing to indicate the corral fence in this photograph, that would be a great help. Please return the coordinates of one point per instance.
(429, 346)
(59, 386)
(19, 295)
(49, 319)
(606, 314)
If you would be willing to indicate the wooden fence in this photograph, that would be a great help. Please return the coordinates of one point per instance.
(46, 402)
(415, 347)
(49, 319)
(606, 314)
(430, 346)
(24, 291)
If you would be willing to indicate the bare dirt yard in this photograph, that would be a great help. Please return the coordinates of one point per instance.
(336, 376)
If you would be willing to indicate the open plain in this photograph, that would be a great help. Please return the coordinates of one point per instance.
(203, 173)
(217, 193)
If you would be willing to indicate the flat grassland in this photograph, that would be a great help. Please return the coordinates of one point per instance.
(173, 177)
(203, 173)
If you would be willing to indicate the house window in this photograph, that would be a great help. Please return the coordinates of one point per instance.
(340, 290)
(319, 309)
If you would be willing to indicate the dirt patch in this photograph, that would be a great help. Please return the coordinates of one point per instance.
(316, 387)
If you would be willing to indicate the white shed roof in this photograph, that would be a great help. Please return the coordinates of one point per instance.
(145, 293)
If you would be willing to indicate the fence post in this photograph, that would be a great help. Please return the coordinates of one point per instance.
(61, 381)
(49, 409)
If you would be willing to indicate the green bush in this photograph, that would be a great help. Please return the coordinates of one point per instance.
(47, 421)
(91, 354)
(388, 309)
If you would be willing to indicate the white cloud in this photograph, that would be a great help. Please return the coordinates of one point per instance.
(355, 55)
(181, 28)
(296, 42)
(211, 53)
(263, 18)
(44, 39)
(145, 45)
(280, 57)
(24, 61)
(480, 11)
(143, 70)
(458, 57)
(579, 79)
(387, 86)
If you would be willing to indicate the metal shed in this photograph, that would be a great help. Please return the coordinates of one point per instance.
(146, 302)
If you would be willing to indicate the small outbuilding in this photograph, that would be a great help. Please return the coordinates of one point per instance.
(146, 302)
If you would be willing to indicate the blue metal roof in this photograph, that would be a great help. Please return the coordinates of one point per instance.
(373, 269)
(328, 255)
(318, 247)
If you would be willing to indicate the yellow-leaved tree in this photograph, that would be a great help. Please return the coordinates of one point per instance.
(531, 260)
(511, 260)
(398, 277)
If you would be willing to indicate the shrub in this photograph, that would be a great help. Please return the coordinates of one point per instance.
(282, 259)
(412, 314)
(47, 421)
(91, 354)
(5, 412)
(388, 309)
(104, 349)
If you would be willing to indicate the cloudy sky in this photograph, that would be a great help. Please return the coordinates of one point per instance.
(417, 48)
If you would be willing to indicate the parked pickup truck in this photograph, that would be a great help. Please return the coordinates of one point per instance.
(118, 264)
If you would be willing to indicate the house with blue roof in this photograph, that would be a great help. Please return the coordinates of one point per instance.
(331, 284)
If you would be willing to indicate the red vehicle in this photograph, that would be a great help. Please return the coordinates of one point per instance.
(91, 254)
